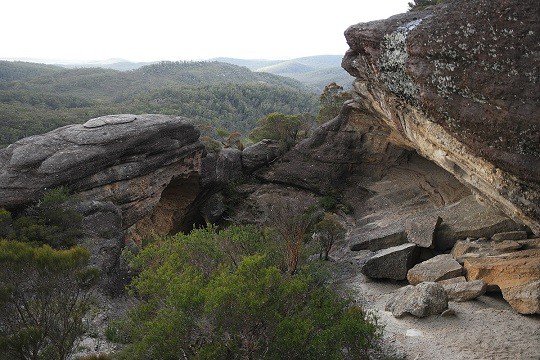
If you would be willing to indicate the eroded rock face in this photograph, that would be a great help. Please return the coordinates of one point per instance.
(462, 92)
(127, 160)
(517, 274)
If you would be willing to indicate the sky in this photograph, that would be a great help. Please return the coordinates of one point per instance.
(151, 30)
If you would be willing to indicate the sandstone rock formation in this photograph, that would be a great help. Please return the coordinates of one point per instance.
(135, 175)
(128, 160)
(517, 274)
(461, 92)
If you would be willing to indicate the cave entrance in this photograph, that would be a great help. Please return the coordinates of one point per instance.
(174, 212)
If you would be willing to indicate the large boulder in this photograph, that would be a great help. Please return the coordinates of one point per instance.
(260, 154)
(422, 300)
(446, 84)
(228, 165)
(440, 267)
(516, 274)
(391, 263)
(125, 159)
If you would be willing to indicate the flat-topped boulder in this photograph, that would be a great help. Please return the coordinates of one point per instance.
(440, 267)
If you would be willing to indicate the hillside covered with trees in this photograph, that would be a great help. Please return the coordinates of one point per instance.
(36, 98)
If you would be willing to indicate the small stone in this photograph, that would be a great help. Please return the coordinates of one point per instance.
(440, 267)
(530, 243)
(448, 313)
(465, 291)
(455, 280)
(510, 235)
(413, 333)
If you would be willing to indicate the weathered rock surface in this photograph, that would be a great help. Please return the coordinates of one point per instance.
(462, 92)
(454, 280)
(260, 154)
(228, 165)
(102, 235)
(440, 267)
(465, 291)
(470, 218)
(510, 235)
(468, 248)
(421, 230)
(391, 263)
(422, 300)
(134, 175)
(213, 208)
(126, 159)
(517, 274)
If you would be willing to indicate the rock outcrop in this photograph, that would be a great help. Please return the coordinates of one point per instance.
(128, 160)
(461, 92)
(135, 175)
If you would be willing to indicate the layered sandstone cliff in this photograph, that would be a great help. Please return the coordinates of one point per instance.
(460, 91)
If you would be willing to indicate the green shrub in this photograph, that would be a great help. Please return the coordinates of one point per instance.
(328, 202)
(41, 302)
(49, 221)
(222, 295)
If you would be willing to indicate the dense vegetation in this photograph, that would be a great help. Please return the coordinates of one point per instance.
(43, 279)
(36, 98)
(229, 295)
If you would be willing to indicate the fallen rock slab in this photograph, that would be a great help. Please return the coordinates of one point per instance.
(377, 238)
(391, 263)
(517, 274)
(510, 235)
(421, 230)
(422, 300)
(465, 291)
(438, 268)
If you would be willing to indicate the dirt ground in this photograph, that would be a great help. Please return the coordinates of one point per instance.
(485, 328)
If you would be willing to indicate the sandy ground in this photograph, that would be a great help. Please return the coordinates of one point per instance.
(485, 328)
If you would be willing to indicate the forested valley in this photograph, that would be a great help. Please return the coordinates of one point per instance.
(36, 98)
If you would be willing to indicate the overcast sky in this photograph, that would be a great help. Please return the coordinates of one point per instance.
(149, 30)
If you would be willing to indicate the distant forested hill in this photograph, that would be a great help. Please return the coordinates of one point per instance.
(35, 98)
(315, 72)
